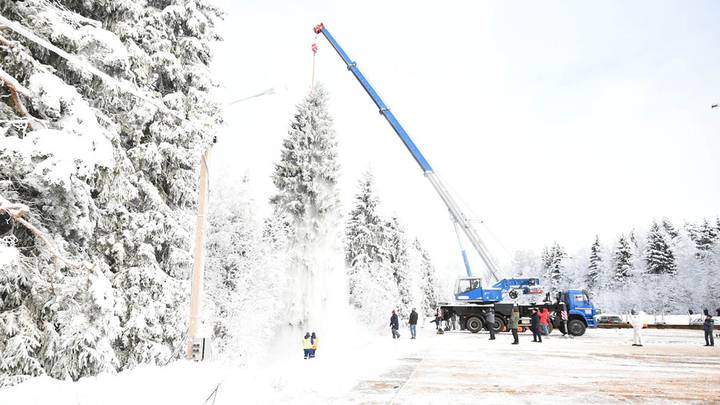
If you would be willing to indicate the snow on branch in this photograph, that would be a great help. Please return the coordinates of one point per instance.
(18, 212)
(15, 87)
(121, 84)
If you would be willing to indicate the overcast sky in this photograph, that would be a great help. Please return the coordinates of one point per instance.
(551, 121)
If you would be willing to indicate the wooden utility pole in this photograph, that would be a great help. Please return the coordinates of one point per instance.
(199, 264)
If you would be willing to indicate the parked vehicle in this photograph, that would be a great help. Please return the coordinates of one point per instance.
(611, 319)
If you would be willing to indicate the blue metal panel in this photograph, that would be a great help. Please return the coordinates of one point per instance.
(509, 283)
(384, 110)
(467, 263)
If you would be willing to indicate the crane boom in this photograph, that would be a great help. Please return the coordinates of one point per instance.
(457, 215)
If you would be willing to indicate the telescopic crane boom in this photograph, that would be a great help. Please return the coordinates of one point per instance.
(457, 215)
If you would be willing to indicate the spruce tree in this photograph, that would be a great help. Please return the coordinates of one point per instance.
(109, 176)
(306, 181)
(670, 229)
(705, 237)
(233, 255)
(365, 249)
(553, 265)
(623, 261)
(372, 283)
(595, 265)
(400, 264)
(658, 255)
(429, 281)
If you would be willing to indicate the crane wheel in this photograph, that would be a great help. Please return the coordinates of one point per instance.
(474, 324)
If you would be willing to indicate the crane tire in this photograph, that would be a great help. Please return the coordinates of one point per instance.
(474, 324)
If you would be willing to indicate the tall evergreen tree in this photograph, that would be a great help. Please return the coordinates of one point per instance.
(595, 265)
(705, 237)
(429, 281)
(658, 255)
(365, 249)
(553, 265)
(400, 264)
(670, 229)
(372, 284)
(306, 182)
(623, 261)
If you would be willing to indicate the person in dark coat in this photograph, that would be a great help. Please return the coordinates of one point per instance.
(709, 325)
(394, 325)
(438, 319)
(490, 322)
(535, 326)
(413, 323)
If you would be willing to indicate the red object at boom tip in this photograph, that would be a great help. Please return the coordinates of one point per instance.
(318, 28)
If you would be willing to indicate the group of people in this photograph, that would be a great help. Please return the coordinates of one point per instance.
(412, 322)
(444, 321)
(539, 324)
(310, 344)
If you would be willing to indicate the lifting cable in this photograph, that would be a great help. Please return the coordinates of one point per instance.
(314, 48)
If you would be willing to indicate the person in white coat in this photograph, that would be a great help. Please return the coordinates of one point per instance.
(636, 321)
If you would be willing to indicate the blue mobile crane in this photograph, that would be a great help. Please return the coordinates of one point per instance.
(469, 290)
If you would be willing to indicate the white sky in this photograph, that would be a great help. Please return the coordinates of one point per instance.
(552, 121)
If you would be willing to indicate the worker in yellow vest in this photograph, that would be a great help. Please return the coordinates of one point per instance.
(307, 345)
(314, 341)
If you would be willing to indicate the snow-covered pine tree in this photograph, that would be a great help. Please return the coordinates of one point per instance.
(705, 237)
(595, 265)
(121, 189)
(372, 286)
(705, 277)
(306, 182)
(429, 281)
(623, 261)
(553, 265)
(400, 264)
(638, 245)
(233, 255)
(658, 255)
(670, 228)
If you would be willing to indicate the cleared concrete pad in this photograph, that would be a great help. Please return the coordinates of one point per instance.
(600, 367)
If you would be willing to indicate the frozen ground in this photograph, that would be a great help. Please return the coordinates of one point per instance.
(458, 367)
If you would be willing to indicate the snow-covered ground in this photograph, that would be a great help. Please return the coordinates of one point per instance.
(458, 367)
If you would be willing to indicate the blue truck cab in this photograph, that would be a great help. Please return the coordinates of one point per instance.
(580, 307)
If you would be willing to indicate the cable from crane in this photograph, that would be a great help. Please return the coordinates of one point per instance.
(314, 48)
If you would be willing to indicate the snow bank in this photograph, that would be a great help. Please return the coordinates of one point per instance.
(338, 367)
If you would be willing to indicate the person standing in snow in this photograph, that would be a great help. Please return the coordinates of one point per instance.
(535, 326)
(453, 321)
(708, 326)
(564, 320)
(637, 323)
(438, 319)
(514, 320)
(307, 345)
(314, 342)
(394, 325)
(544, 321)
(413, 323)
(490, 322)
